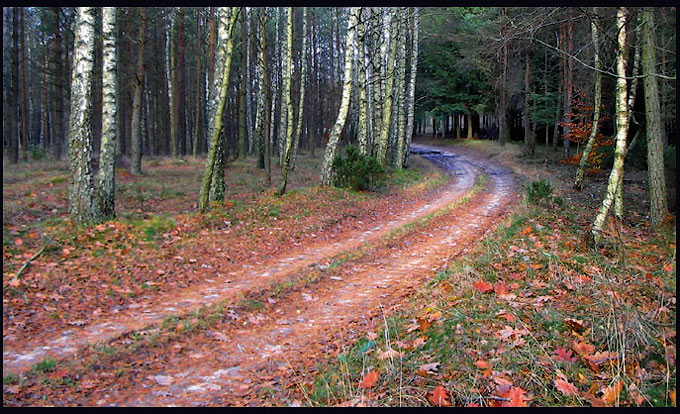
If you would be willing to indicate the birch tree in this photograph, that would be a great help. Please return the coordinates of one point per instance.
(594, 29)
(616, 175)
(107, 161)
(332, 145)
(389, 94)
(262, 130)
(288, 103)
(302, 94)
(214, 175)
(410, 100)
(81, 191)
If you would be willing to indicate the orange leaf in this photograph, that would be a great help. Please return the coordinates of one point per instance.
(526, 231)
(439, 397)
(482, 286)
(575, 324)
(501, 289)
(583, 348)
(671, 393)
(369, 380)
(517, 397)
(481, 364)
(611, 393)
(18, 242)
(566, 387)
(507, 316)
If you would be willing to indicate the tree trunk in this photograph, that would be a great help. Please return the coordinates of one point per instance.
(529, 137)
(569, 83)
(12, 92)
(362, 137)
(389, 94)
(81, 192)
(596, 106)
(197, 113)
(401, 113)
(242, 130)
(107, 159)
(655, 167)
(616, 175)
(263, 104)
(302, 94)
(218, 102)
(410, 100)
(23, 143)
(287, 68)
(344, 104)
(135, 127)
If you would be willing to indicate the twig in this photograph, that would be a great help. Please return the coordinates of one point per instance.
(28, 262)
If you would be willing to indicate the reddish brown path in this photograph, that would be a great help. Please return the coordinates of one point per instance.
(228, 365)
(18, 356)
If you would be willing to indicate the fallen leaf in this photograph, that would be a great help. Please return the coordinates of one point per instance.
(507, 316)
(517, 397)
(593, 400)
(369, 380)
(526, 231)
(600, 358)
(12, 389)
(432, 368)
(439, 397)
(583, 348)
(575, 324)
(435, 316)
(564, 355)
(482, 364)
(671, 394)
(611, 393)
(389, 353)
(566, 387)
(482, 286)
(162, 379)
(501, 289)
(18, 242)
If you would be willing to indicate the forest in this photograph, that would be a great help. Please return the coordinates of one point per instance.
(339, 206)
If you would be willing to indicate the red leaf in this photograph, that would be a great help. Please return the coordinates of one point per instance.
(439, 397)
(583, 348)
(369, 380)
(566, 387)
(482, 286)
(501, 289)
(611, 393)
(564, 355)
(517, 397)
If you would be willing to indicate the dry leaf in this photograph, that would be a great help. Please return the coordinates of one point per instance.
(482, 286)
(566, 387)
(611, 393)
(439, 397)
(369, 380)
(575, 324)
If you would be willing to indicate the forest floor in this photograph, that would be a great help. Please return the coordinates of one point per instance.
(269, 301)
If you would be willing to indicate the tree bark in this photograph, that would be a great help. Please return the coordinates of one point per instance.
(218, 102)
(287, 67)
(242, 130)
(107, 159)
(135, 127)
(596, 110)
(81, 192)
(410, 100)
(616, 175)
(389, 95)
(655, 164)
(302, 94)
(23, 143)
(329, 156)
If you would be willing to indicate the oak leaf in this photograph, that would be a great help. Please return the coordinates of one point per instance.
(439, 397)
(517, 398)
(369, 380)
(564, 355)
(566, 387)
(611, 393)
(501, 289)
(482, 286)
(583, 348)
(575, 324)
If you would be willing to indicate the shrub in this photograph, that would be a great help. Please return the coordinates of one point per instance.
(539, 190)
(357, 171)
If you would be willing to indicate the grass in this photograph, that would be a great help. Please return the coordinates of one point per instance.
(541, 248)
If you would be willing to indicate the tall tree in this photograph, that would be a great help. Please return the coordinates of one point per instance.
(218, 101)
(655, 165)
(12, 91)
(410, 100)
(616, 175)
(242, 94)
(81, 192)
(135, 127)
(302, 94)
(389, 93)
(263, 99)
(22, 88)
(287, 98)
(331, 147)
(107, 162)
(594, 29)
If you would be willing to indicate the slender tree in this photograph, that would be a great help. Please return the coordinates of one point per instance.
(287, 98)
(107, 160)
(135, 127)
(302, 94)
(410, 100)
(218, 101)
(331, 147)
(594, 29)
(615, 177)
